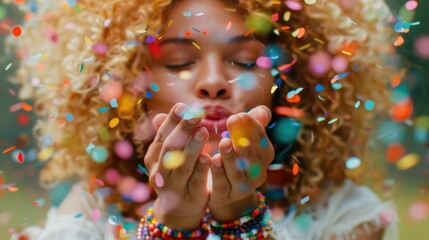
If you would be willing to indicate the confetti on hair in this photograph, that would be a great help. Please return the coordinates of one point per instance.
(320, 119)
(103, 109)
(369, 105)
(298, 33)
(114, 103)
(114, 122)
(305, 199)
(353, 163)
(339, 76)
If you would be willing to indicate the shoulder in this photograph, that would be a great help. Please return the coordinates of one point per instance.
(354, 210)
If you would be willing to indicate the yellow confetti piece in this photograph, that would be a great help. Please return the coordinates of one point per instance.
(308, 45)
(88, 40)
(185, 75)
(274, 88)
(408, 161)
(139, 101)
(196, 45)
(45, 154)
(243, 142)
(66, 6)
(114, 122)
(286, 16)
(173, 159)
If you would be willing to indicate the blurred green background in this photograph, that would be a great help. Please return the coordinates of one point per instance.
(408, 188)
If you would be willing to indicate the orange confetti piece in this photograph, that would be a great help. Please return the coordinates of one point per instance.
(26, 107)
(187, 34)
(12, 189)
(402, 111)
(296, 98)
(295, 169)
(16, 31)
(8, 149)
(396, 80)
(207, 147)
(66, 82)
(399, 41)
(290, 112)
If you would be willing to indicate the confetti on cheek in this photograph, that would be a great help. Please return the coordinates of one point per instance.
(95, 215)
(185, 75)
(196, 45)
(228, 26)
(159, 181)
(305, 199)
(264, 62)
(408, 161)
(16, 31)
(187, 14)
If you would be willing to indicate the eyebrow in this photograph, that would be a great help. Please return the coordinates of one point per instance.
(234, 40)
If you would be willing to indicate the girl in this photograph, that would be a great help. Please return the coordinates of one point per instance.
(168, 102)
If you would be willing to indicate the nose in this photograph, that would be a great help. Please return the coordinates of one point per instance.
(212, 82)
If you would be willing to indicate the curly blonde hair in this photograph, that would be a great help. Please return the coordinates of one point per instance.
(64, 75)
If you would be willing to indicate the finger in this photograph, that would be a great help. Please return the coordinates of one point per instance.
(173, 118)
(197, 184)
(221, 186)
(235, 168)
(181, 134)
(158, 120)
(261, 113)
(192, 152)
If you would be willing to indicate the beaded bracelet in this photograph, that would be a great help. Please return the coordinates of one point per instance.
(255, 225)
(151, 229)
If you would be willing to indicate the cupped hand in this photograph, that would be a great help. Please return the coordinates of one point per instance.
(177, 169)
(242, 164)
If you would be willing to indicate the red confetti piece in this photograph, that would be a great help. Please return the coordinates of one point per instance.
(295, 169)
(99, 182)
(187, 34)
(20, 157)
(17, 31)
(8, 149)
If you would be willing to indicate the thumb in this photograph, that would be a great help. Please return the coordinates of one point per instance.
(262, 114)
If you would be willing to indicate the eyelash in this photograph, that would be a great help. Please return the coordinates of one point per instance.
(246, 65)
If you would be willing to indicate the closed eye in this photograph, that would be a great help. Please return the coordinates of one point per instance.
(247, 65)
(178, 66)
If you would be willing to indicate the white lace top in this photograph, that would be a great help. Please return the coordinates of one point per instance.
(346, 209)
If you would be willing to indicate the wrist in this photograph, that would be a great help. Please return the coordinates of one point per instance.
(174, 221)
(236, 209)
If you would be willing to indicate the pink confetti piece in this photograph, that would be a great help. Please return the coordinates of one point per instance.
(159, 181)
(228, 26)
(95, 214)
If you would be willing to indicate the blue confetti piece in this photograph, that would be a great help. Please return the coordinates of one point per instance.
(369, 105)
(264, 142)
(78, 215)
(272, 125)
(305, 200)
(154, 87)
(114, 103)
(69, 117)
(187, 14)
(103, 109)
(319, 88)
(148, 94)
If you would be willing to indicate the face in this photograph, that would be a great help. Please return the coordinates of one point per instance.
(214, 68)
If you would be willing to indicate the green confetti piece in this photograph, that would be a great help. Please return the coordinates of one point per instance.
(8, 66)
(81, 68)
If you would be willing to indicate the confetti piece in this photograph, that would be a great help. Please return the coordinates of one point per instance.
(411, 5)
(114, 122)
(353, 163)
(26, 107)
(8, 66)
(159, 181)
(103, 109)
(69, 117)
(305, 199)
(38, 55)
(357, 104)
(295, 169)
(143, 169)
(196, 45)
(394, 152)
(263, 142)
(332, 120)
(243, 142)
(78, 215)
(206, 148)
(8, 149)
(185, 75)
(95, 214)
(369, 105)
(399, 41)
(254, 171)
(88, 40)
(173, 159)
(228, 26)
(39, 202)
(242, 164)
(20, 157)
(408, 161)
(45, 154)
(12, 189)
(187, 14)
(16, 31)
(114, 103)
(81, 67)
(320, 119)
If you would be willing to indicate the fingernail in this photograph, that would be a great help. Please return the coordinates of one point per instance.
(203, 159)
(199, 135)
(218, 164)
(229, 149)
(234, 120)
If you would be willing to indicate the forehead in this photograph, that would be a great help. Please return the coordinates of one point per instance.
(219, 19)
